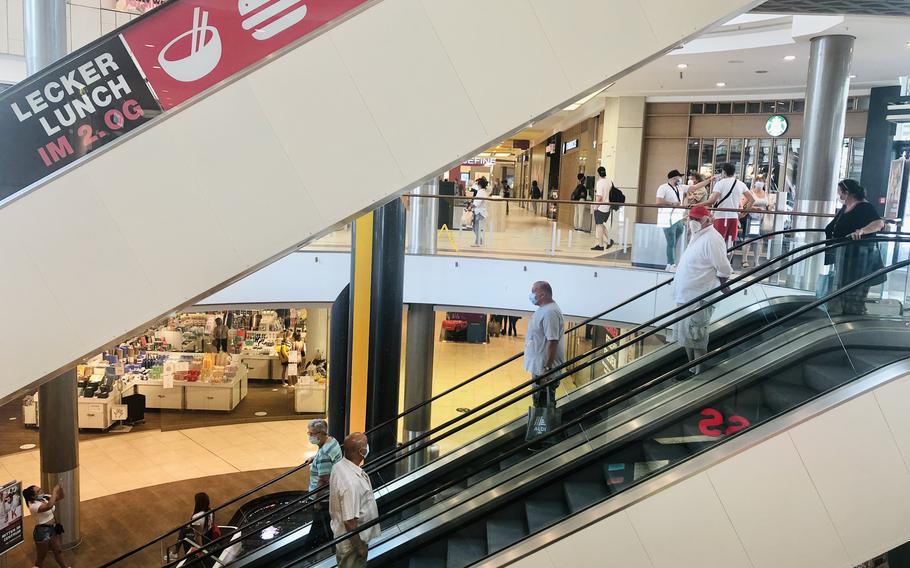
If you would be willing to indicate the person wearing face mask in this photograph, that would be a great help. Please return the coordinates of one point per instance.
(43, 507)
(352, 504)
(702, 266)
(545, 344)
(328, 454)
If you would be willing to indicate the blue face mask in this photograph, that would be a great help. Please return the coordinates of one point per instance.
(533, 298)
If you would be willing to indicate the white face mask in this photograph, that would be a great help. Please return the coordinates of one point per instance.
(365, 452)
(314, 440)
(694, 226)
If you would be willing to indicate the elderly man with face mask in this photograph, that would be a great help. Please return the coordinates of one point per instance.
(328, 454)
(352, 504)
(703, 266)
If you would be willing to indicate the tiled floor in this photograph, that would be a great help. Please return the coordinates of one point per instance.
(124, 462)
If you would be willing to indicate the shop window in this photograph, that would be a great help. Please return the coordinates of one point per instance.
(767, 107)
(748, 161)
(720, 152)
(706, 166)
(692, 154)
(724, 108)
(783, 107)
(851, 103)
(763, 157)
(710, 108)
(739, 108)
(697, 108)
(799, 106)
(776, 162)
(753, 107)
(844, 158)
(736, 155)
(792, 175)
(855, 166)
(862, 103)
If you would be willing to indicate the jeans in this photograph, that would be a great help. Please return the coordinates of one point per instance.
(672, 233)
(478, 228)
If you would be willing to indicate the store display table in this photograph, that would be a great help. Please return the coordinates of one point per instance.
(309, 397)
(94, 413)
(195, 395)
(264, 367)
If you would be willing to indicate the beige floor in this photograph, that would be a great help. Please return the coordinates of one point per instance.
(123, 462)
(524, 235)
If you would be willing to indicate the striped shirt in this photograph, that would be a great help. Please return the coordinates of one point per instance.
(327, 456)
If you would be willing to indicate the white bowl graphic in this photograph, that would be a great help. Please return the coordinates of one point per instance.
(205, 51)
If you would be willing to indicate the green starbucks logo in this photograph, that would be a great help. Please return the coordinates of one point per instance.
(776, 125)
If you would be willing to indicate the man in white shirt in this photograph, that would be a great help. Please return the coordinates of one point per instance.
(351, 503)
(601, 212)
(545, 342)
(669, 218)
(703, 266)
(728, 194)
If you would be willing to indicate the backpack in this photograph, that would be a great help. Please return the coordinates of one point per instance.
(616, 196)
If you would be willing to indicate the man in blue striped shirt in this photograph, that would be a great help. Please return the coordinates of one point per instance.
(328, 454)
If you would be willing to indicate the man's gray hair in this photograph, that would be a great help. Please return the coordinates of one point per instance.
(319, 425)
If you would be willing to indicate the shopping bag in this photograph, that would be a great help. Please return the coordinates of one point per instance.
(293, 356)
(825, 285)
(541, 421)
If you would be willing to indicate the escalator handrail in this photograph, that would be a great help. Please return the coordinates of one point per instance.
(832, 244)
(616, 400)
(470, 380)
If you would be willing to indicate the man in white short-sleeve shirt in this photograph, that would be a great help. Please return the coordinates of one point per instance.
(352, 504)
(670, 219)
(728, 193)
(601, 212)
(545, 343)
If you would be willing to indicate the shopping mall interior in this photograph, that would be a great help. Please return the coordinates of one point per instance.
(221, 226)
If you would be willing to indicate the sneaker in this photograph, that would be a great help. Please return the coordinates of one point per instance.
(597, 247)
(611, 243)
(670, 268)
(746, 265)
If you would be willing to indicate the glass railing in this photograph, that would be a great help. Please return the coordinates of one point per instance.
(796, 357)
(503, 409)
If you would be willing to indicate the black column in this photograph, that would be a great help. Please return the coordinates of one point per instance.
(878, 152)
(339, 375)
(387, 288)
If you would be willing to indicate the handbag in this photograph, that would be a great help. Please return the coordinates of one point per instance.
(58, 528)
(541, 421)
(467, 217)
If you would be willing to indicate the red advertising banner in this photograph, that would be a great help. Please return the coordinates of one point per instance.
(191, 45)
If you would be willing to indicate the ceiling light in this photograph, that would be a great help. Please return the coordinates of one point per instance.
(721, 84)
(682, 66)
(761, 71)
(789, 57)
(735, 61)
(853, 76)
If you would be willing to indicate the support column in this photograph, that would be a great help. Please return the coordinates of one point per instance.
(339, 370)
(823, 131)
(58, 435)
(423, 216)
(58, 441)
(386, 308)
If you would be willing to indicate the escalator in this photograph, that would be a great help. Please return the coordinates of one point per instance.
(619, 431)
(202, 141)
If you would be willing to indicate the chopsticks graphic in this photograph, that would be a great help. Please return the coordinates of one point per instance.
(199, 26)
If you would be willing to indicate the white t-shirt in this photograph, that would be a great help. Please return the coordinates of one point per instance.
(546, 324)
(665, 215)
(602, 193)
(733, 201)
(702, 263)
(351, 497)
(44, 517)
(480, 207)
(202, 523)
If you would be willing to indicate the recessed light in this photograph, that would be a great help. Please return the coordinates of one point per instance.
(734, 61)
(789, 57)
(761, 71)
(682, 66)
(721, 84)
(853, 76)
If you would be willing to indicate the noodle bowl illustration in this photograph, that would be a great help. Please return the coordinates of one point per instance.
(204, 55)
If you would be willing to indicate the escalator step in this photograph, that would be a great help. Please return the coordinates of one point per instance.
(545, 507)
(431, 556)
(465, 550)
(504, 532)
(482, 475)
(782, 397)
(581, 494)
(512, 460)
(868, 360)
(824, 376)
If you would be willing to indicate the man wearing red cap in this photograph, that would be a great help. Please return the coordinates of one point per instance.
(703, 265)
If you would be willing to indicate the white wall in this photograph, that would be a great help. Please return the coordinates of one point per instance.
(398, 85)
(829, 493)
(581, 290)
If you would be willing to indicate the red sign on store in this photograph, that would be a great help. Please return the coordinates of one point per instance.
(192, 45)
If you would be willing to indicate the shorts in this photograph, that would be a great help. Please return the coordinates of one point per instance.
(601, 217)
(43, 533)
(728, 228)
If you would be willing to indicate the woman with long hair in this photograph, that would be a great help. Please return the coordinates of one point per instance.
(43, 507)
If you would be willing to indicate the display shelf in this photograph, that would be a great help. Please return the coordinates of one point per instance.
(195, 395)
(93, 413)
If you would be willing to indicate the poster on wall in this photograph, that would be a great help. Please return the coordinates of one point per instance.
(10, 515)
(160, 60)
(895, 185)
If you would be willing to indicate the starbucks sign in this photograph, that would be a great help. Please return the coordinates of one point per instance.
(776, 125)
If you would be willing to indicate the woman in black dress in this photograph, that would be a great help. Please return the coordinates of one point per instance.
(856, 219)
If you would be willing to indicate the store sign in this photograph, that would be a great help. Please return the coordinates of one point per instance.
(10, 516)
(715, 425)
(570, 145)
(777, 125)
(483, 162)
(140, 6)
(158, 62)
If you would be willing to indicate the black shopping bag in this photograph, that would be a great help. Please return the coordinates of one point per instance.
(541, 421)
